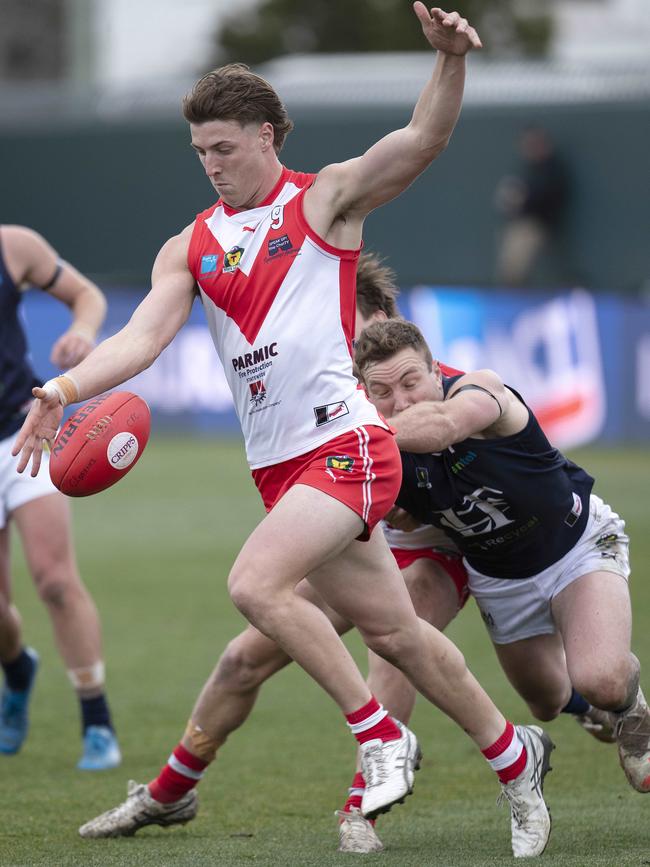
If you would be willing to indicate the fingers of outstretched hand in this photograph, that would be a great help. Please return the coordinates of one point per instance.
(28, 446)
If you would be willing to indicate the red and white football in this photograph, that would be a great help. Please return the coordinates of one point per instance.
(100, 443)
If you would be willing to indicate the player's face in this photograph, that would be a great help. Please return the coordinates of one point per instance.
(402, 381)
(235, 158)
(361, 322)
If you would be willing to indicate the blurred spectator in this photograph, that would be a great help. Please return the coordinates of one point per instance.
(534, 204)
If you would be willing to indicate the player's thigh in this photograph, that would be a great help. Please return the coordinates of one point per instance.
(305, 529)
(536, 667)
(44, 525)
(594, 616)
(364, 585)
(432, 591)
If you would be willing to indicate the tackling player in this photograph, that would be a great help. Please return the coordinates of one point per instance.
(40, 512)
(547, 560)
(274, 260)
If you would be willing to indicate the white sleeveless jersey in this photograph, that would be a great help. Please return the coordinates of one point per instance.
(424, 536)
(280, 305)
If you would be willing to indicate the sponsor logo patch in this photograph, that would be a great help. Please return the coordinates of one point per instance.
(122, 450)
(209, 263)
(339, 462)
(330, 412)
(572, 518)
(232, 259)
(279, 245)
(258, 392)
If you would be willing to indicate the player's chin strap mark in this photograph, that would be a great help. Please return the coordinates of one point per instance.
(477, 388)
(64, 387)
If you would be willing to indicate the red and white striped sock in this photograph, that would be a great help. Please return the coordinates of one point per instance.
(507, 756)
(355, 792)
(371, 722)
(181, 773)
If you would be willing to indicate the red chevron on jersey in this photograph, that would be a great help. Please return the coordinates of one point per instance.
(280, 301)
(241, 276)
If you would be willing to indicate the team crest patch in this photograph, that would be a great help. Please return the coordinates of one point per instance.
(258, 392)
(339, 462)
(422, 476)
(232, 259)
(209, 263)
(330, 411)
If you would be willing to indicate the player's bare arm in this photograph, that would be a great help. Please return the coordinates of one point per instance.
(345, 193)
(153, 325)
(489, 410)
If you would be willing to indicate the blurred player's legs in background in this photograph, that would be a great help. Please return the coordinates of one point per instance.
(45, 529)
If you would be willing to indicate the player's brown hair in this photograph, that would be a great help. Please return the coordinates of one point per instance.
(381, 340)
(376, 286)
(233, 92)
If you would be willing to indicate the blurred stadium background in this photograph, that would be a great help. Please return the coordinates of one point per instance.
(95, 155)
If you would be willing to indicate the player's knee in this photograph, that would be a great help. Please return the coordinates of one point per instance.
(244, 592)
(54, 590)
(236, 671)
(391, 645)
(544, 711)
(607, 689)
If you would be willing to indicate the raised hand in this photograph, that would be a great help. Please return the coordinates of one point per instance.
(447, 31)
(71, 348)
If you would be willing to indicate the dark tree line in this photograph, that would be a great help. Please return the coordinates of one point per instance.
(278, 27)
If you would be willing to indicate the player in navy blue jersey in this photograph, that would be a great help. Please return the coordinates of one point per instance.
(39, 512)
(547, 560)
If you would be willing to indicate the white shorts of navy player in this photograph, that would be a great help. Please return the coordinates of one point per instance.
(564, 630)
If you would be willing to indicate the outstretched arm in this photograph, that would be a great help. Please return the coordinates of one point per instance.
(357, 186)
(153, 325)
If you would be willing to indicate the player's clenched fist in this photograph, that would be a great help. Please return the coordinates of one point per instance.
(447, 31)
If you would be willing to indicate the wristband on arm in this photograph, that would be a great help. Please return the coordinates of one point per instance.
(64, 387)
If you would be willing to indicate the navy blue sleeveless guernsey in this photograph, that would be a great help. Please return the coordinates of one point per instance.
(16, 375)
(514, 505)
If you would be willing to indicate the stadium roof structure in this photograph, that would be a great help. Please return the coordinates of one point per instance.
(396, 79)
(331, 81)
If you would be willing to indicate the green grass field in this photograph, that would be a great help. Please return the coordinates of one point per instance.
(155, 551)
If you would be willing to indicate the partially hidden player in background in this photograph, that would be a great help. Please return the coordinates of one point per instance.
(547, 559)
(40, 513)
(436, 580)
(275, 260)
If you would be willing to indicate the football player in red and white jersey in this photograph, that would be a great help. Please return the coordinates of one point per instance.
(274, 260)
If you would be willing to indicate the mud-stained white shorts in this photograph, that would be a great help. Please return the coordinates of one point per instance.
(517, 609)
(16, 489)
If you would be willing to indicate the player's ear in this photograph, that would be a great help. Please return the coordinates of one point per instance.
(266, 135)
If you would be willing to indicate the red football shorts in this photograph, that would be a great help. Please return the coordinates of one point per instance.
(361, 468)
(452, 565)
